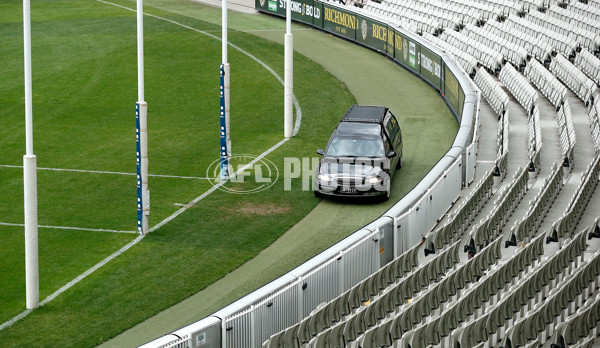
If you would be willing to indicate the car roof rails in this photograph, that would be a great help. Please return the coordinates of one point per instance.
(365, 113)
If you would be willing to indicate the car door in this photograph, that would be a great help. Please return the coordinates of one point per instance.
(392, 130)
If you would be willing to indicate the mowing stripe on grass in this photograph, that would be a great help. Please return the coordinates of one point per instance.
(107, 172)
(296, 104)
(69, 228)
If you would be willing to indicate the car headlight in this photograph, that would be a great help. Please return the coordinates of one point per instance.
(324, 178)
(375, 180)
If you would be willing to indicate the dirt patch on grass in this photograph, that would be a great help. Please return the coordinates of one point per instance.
(262, 209)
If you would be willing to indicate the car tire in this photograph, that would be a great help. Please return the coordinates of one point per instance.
(386, 197)
(318, 194)
(399, 164)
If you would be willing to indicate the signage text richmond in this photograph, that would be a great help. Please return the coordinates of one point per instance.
(338, 17)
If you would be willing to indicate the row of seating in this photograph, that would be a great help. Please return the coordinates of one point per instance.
(519, 87)
(417, 23)
(537, 48)
(566, 135)
(526, 228)
(569, 16)
(534, 277)
(562, 300)
(504, 206)
(573, 78)
(532, 5)
(484, 54)
(590, 12)
(491, 91)
(462, 217)
(506, 7)
(581, 328)
(515, 54)
(464, 59)
(547, 83)
(423, 15)
(480, 11)
(448, 17)
(594, 117)
(581, 37)
(408, 17)
(559, 42)
(579, 201)
(457, 12)
(589, 64)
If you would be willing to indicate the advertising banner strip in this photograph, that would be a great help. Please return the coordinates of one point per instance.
(407, 52)
(372, 34)
(302, 10)
(391, 38)
(431, 67)
(340, 22)
(451, 88)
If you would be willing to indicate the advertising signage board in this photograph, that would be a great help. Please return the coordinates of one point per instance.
(391, 38)
(407, 52)
(372, 34)
(303, 11)
(431, 67)
(340, 22)
(451, 89)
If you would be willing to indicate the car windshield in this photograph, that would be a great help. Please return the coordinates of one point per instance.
(356, 147)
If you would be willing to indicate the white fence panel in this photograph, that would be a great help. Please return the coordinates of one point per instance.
(360, 261)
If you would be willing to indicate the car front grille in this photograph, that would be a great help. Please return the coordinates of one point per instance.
(349, 181)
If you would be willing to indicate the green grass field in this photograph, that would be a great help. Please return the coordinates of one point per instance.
(85, 88)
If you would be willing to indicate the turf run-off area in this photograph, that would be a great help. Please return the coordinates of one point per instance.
(84, 94)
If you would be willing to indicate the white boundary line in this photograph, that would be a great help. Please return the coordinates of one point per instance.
(178, 212)
(108, 172)
(69, 228)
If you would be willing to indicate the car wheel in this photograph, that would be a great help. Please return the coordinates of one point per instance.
(399, 164)
(386, 197)
(318, 194)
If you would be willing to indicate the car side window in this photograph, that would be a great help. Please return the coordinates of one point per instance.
(392, 127)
